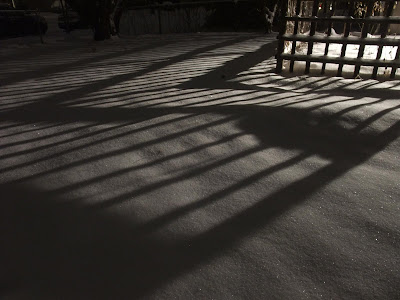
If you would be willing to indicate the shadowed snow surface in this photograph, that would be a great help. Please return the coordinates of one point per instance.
(182, 167)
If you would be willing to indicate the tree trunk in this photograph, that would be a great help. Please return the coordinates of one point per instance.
(102, 25)
(115, 17)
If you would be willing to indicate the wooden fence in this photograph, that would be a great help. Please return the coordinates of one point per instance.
(360, 16)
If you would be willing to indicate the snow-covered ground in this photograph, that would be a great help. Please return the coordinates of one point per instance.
(182, 167)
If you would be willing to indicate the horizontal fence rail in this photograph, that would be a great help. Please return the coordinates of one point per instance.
(359, 22)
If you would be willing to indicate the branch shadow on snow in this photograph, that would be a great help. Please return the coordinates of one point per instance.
(62, 248)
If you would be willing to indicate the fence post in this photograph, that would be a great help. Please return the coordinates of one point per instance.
(347, 29)
(385, 28)
(328, 34)
(282, 30)
(312, 32)
(397, 57)
(364, 34)
(295, 31)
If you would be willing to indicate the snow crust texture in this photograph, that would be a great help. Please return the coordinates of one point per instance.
(182, 167)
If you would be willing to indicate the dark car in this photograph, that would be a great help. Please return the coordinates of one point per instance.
(15, 22)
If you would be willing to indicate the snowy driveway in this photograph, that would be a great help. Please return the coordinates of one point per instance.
(181, 167)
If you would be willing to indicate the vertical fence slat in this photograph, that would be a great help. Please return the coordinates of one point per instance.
(295, 31)
(312, 32)
(384, 29)
(281, 41)
(347, 28)
(364, 34)
(330, 24)
(397, 58)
